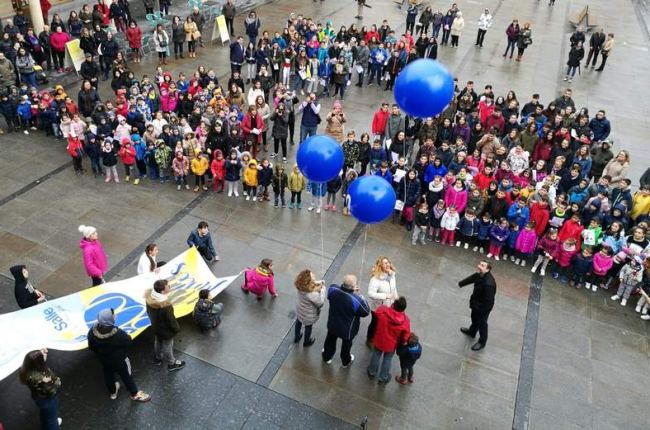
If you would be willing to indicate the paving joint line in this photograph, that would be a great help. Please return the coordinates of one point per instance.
(35, 183)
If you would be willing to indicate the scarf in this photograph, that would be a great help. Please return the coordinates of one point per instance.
(159, 297)
(29, 287)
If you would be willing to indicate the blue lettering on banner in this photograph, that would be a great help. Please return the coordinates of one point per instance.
(130, 315)
(52, 316)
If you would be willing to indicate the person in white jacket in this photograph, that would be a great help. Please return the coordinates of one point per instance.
(147, 263)
(457, 26)
(484, 22)
(382, 290)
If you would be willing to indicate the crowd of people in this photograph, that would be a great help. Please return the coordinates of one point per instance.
(520, 181)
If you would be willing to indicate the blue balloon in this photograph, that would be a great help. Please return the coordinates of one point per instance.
(371, 199)
(320, 158)
(424, 88)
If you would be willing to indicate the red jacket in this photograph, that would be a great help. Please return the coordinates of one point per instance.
(370, 34)
(127, 155)
(483, 181)
(564, 257)
(543, 150)
(134, 36)
(571, 230)
(248, 127)
(379, 121)
(218, 168)
(58, 41)
(485, 111)
(75, 148)
(540, 215)
(393, 329)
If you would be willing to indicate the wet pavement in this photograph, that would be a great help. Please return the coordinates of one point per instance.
(590, 367)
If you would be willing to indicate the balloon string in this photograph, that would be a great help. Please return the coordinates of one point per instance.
(363, 252)
(322, 248)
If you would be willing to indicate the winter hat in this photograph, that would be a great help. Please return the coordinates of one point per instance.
(106, 317)
(136, 138)
(125, 140)
(87, 230)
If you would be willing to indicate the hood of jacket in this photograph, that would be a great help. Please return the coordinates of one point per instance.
(17, 273)
(394, 318)
(155, 304)
(104, 332)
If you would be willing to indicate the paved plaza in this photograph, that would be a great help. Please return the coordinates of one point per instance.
(557, 358)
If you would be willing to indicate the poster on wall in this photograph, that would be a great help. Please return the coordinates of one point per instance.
(220, 30)
(74, 54)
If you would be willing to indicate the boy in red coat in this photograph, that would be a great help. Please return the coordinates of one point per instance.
(572, 229)
(393, 330)
(75, 149)
(127, 155)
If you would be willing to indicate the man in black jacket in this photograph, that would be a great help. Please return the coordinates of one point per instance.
(89, 70)
(481, 302)
(110, 344)
(347, 307)
(44, 40)
(163, 322)
(596, 42)
(109, 48)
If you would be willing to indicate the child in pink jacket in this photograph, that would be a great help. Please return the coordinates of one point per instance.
(564, 256)
(525, 245)
(602, 262)
(257, 280)
(95, 260)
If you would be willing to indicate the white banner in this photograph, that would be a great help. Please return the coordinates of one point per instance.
(63, 323)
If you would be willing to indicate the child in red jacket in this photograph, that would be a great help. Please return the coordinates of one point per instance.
(75, 149)
(568, 249)
(218, 169)
(127, 155)
(572, 229)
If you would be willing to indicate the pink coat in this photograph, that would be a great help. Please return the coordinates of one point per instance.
(257, 282)
(526, 241)
(602, 264)
(456, 198)
(564, 257)
(168, 100)
(94, 257)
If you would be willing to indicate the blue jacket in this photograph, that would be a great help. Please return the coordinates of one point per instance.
(233, 171)
(345, 311)
(484, 229)
(195, 239)
(601, 128)
(377, 156)
(325, 69)
(317, 188)
(237, 53)
(585, 165)
(468, 227)
(264, 176)
(309, 117)
(581, 265)
(432, 171)
(512, 238)
(378, 56)
(408, 355)
(577, 195)
(618, 196)
(520, 217)
(386, 175)
(24, 111)
(499, 235)
(140, 149)
(409, 191)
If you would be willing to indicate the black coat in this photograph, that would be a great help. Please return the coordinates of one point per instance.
(280, 125)
(109, 343)
(163, 321)
(485, 288)
(24, 298)
(89, 70)
(345, 311)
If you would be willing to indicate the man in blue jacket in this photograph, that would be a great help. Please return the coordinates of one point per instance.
(310, 109)
(201, 239)
(237, 55)
(600, 126)
(347, 307)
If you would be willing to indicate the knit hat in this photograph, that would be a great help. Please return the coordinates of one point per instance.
(106, 317)
(87, 230)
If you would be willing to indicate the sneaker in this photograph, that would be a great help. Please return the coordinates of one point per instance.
(236, 193)
(645, 317)
(310, 208)
(570, 80)
(333, 208)
(563, 279)
(248, 198)
(512, 258)
(615, 297)
(326, 361)
(25, 131)
(136, 181)
(496, 257)
(533, 269)
(117, 390)
(644, 311)
(176, 366)
(623, 302)
(637, 309)
(326, 207)
(458, 243)
(523, 263)
(141, 396)
(178, 187)
(127, 179)
(350, 363)
(229, 193)
(400, 380)
(205, 188)
(275, 206)
(411, 380)
(566, 78)
(317, 210)
(60, 420)
(290, 205)
(273, 155)
(466, 246)
(594, 287)
(505, 257)
(481, 250)
(196, 189)
(542, 272)
(284, 159)
(517, 261)
(414, 243)
(555, 275)
(107, 180)
(475, 249)
(299, 205)
(187, 187)
(117, 180)
(489, 255)
(254, 198)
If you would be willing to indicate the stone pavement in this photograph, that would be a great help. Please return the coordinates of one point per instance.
(590, 362)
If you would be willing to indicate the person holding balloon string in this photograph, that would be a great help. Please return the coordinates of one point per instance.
(409, 196)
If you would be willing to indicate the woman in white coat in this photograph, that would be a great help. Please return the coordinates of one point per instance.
(311, 298)
(147, 263)
(457, 27)
(382, 290)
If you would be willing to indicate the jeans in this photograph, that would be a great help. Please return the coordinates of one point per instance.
(48, 411)
(480, 37)
(306, 131)
(571, 71)
(329, 349)
(122, 368)
(29, 79)
(298, 328)
(299, 84)
(178, 48)
(625, 290)
(375, 69)
(384, 372)
(445, 36)
(510, 47)
(108, 63)
(361, 76)
(180, 180)
(94, 165)
(278, 198)
(164, 348)
(436, 31)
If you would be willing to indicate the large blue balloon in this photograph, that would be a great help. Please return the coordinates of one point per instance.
(320, 158)
(424, 88)
(371, 199)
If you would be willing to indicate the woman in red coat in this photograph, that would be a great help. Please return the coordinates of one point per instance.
(105, 10)
(134, 37)
(252, 125)
(544, 148)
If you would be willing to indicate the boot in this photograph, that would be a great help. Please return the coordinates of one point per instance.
(409, 226)
(518, 58)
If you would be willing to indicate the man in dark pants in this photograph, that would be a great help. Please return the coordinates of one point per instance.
(481, 302)
(110, 344)
(596, 42)
(237, 55)
(347, 307)
(229, 11)
(201, 239)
